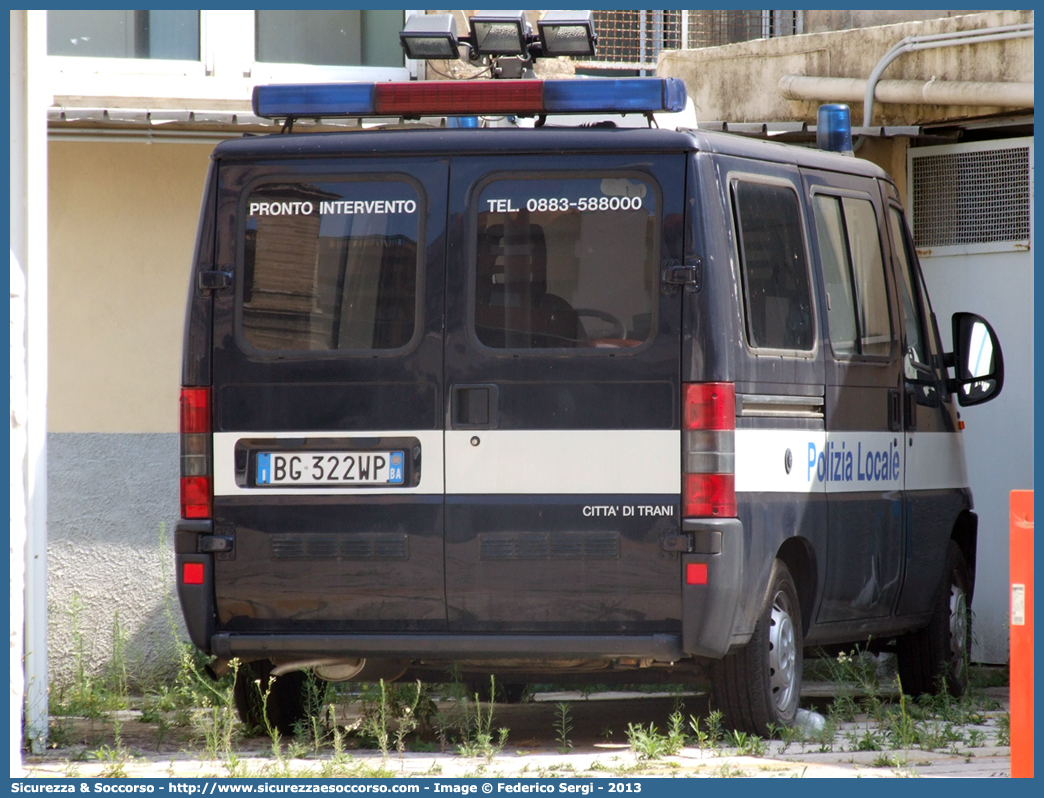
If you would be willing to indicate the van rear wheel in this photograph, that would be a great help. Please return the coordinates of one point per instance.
(284, 703)
(935, 659)
(759, 686)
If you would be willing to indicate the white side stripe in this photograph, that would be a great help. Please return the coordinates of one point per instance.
(847, 462)
(563, 461)
(638, 461)
(935, 460)
(761, 460)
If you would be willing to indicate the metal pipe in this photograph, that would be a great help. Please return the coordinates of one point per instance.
(908, 92)
(30, 97)
(933, 41)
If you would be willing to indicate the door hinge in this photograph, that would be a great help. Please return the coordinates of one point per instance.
(222, 545)
(213, 280)
(688, 274)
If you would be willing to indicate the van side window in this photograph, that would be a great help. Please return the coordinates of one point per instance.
(776, 290)
(915, 358)
(853, 273)
(330, 266)
(837, 276)
(566, 262)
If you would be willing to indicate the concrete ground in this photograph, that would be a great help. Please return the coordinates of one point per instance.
(597, 733)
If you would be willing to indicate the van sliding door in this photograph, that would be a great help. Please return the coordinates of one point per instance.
(864, 402)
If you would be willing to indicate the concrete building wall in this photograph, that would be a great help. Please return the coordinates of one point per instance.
(123, 223)
(822, 20)
(739, 82)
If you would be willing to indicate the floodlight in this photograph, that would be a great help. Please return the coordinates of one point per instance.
(567, 33)
(430, 36)
(499, 33)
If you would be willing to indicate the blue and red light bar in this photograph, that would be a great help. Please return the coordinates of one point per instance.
(453, 98)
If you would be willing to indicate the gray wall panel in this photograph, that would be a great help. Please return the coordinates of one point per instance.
(109, 496)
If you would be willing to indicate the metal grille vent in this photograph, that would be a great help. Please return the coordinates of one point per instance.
(330, 546)
(546, 546)
(976, 197)
(634, 39)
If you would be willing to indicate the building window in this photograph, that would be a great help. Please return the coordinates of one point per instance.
(972, 195)
(330, 38)
(632, 40)
(172, 35)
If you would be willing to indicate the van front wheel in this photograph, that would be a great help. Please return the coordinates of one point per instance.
(936, 658)
(759, 686)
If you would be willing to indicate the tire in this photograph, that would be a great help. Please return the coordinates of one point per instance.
(759, 685)
(285, 704)
(935, 659)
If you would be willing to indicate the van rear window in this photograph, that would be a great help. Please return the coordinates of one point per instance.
(330, 266)
(566, 262)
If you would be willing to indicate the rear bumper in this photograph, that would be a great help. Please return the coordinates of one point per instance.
(708, 617)
(709, 610)
(660, 648)
(197, 601)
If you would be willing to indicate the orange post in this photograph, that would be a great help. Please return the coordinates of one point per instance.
(1022, 634)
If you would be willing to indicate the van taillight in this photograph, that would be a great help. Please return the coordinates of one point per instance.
(709, 427)
(196, 487)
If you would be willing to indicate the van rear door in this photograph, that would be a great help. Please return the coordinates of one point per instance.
(563, 450)
(327, 395)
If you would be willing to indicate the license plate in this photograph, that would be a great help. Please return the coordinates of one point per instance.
(329, 468)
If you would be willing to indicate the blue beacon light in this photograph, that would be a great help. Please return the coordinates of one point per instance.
(834, 129)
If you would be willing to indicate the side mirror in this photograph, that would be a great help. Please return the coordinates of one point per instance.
(977, 360)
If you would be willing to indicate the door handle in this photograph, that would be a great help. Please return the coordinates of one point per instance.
(895, 410)
(911, 408)
(474, 406)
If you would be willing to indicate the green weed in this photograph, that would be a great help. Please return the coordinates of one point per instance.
(888, 761)
(870, 741)
(563, 726)
(901, 727)
(651, 744)
(88, 696)
(710, 735)
(729, 771)
(788, 735)
(675, 732)
(408, 720)
(477, 730)
(114, 760)
(746, 744)
(1004, 729)
(376, 714)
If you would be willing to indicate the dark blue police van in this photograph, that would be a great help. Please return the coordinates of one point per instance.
(565, 403)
